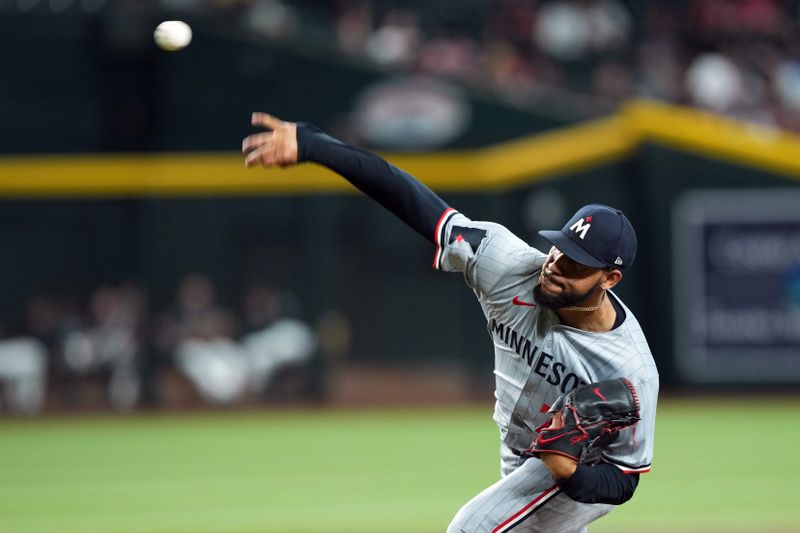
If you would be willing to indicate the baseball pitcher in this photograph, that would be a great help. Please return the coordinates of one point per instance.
(576, 385)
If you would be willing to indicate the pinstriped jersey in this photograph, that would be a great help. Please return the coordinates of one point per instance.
(536, 357)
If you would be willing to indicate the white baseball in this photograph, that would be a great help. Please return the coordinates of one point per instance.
(172, 35)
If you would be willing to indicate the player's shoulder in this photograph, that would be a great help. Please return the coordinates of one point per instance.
(488, 243)
(494, 234)
(456, 219)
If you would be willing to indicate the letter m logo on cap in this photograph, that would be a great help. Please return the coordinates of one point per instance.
(580, 228)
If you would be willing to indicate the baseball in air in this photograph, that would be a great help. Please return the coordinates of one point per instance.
(172, 35)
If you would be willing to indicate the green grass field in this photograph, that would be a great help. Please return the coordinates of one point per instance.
(719, 466)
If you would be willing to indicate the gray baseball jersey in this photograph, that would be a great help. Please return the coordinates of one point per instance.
(536, 360)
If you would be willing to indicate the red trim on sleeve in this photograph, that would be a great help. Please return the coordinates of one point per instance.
(437, 236)
(639, 471)
(630, 469)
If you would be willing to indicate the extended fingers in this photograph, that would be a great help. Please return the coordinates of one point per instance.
(265, 120)
(271, 148)
(266, 155)
(254, 157)
(255, 140)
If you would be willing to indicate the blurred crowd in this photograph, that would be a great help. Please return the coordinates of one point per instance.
(740, 58)
(63, 348)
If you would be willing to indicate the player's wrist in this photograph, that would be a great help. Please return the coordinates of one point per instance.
(560, 466)
(304, 139)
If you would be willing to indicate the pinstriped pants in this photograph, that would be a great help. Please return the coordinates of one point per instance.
(525, 500)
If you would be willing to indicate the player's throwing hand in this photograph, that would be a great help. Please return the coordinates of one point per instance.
(275, 148)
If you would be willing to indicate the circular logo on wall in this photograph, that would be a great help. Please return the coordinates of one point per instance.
(414, 113)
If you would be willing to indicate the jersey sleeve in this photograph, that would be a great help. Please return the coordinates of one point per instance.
(632, 452)
(392, 187)
(489, 255)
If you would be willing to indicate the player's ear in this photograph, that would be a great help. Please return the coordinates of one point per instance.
(613, 276)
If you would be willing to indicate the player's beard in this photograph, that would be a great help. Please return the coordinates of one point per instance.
(564, 299)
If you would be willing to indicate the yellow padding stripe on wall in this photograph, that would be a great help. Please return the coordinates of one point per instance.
(492, 168)
(713, 136)
(498, 167)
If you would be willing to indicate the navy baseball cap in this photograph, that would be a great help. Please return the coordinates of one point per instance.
(598, 236)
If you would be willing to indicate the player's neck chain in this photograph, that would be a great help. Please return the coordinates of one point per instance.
(583, 308)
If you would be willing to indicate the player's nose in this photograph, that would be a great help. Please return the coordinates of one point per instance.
(557, 263)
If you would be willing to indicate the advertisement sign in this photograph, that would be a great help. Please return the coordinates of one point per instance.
(737, 285)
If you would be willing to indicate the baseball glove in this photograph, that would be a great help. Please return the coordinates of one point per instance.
(587, 419)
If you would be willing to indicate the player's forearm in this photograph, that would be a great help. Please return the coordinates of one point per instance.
(393, 188)
(561, 467)
(601, 483)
